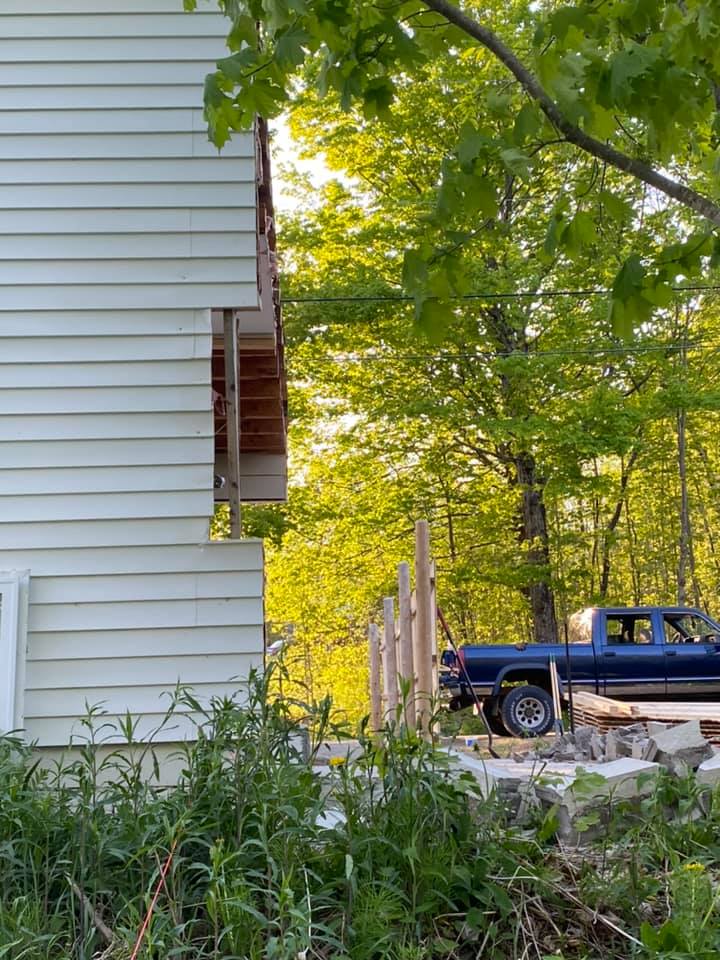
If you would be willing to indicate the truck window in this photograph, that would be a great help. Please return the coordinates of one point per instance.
(579, 627)
(688, 628)
(628, 629)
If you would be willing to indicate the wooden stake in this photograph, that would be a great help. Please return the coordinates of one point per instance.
(375, 702)
(405, 641)
(422, 649)
(390, 666)
(233, 421)
(435, 660)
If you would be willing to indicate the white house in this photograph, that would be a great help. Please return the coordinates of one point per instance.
(136, 284)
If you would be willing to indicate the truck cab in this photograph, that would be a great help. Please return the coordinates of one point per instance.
(627, 653)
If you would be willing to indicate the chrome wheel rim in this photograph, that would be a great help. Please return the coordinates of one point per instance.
(530, 713)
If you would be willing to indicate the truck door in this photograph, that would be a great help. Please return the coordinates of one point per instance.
(631, 660)
(692, 655)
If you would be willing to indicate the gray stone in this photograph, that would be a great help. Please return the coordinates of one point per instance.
(584, 737)
(611, 742)
(622, 779)
(331, 818)
(681, 748)
(708, 773)
(597, 745)
(650, 750)
(654, 726)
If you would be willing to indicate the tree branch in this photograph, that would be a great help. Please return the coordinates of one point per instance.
(528, 81)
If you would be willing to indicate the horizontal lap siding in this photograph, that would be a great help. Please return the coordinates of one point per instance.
(120, 228)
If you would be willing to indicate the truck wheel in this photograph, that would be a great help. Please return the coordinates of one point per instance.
(492, 711)
(527, 711)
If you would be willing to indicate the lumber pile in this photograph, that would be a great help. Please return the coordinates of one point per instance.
(605, 714)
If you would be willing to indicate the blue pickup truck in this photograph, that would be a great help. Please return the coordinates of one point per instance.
(627, 653)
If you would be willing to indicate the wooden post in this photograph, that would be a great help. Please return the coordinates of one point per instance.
(375, 703)
(435, 660)
(422, 649)
(233, 421)
(390, 667)
(405, 641)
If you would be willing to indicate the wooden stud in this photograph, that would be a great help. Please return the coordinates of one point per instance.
(434, 656)
(405, 640)
(233, 419)
(422, 649)
(390, 666)
(375, 701)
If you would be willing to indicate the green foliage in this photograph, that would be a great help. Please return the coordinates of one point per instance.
(640, 77)
(409, 870)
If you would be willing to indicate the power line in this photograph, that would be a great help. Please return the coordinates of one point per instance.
(514, 295)
(614, 350)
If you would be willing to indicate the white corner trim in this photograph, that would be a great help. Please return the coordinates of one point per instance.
(14, 589)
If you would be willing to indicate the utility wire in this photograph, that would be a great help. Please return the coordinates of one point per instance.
(515, 295)
(524, 355)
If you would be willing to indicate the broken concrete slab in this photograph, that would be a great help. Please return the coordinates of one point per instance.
(619, 779)
(573, 799)
(681, 748)
(331, 818)
(708, 773)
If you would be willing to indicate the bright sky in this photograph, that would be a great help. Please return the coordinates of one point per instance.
(284, 154)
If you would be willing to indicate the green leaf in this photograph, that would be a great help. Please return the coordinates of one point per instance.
(527, 123)
(498, 102)
(565, 18)
(349, 866)
(627, 65)
(414, 272)
(243, 31)
(433, 319)
(629, 279)
(517, 162)
(289, 46)
(616, 207)
(470, 145)
(480, 195)
(237, 67)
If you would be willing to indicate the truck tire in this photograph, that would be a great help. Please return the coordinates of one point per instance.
(527, 711)
(492, 709)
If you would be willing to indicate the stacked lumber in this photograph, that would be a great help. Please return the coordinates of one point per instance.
(605, 714)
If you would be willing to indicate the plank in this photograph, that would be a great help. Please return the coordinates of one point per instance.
(593, 703)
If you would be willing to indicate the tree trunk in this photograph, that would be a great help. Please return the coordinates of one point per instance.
(686, 559)
(613, 522)
(684, 543)
(534, 532)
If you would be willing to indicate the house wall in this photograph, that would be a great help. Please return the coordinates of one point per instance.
(120, 228)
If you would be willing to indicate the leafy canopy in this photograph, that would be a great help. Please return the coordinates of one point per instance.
(634, 84)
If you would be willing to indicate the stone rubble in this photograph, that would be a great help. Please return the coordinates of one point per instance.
(679, 748)
(580, 776)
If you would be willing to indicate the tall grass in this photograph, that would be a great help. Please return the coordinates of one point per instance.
(254, 872)
(416, 865)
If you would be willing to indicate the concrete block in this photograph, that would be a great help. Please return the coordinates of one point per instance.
(619, 782)
(681, 748)
(622, 779)
(650, 750)
(654, 726)
(331, 818)
(507, 776)
(596, 745)
(708, 773)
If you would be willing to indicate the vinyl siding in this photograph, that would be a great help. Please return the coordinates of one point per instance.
(120, 229)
